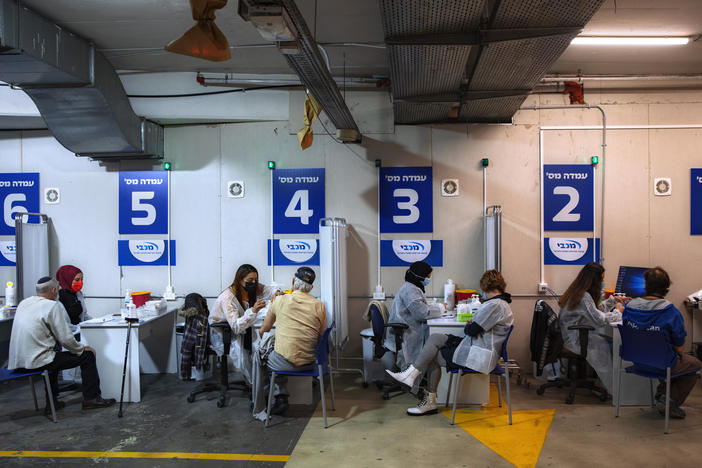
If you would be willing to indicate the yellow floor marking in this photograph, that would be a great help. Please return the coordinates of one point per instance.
(181, 455)
(520, 443)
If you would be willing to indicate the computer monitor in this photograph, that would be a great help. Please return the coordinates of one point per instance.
(630, 281)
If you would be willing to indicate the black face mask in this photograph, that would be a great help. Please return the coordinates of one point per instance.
(251, 290)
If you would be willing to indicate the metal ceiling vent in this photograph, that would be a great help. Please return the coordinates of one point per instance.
(473, 60)
(75, 88)
(282, 22)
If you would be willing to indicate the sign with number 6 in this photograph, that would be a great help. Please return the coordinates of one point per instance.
(19, 193)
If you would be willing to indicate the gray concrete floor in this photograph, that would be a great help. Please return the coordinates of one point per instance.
(162, 422)
(364, 431)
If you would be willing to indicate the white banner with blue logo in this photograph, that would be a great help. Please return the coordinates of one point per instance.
(8, 253)
(568, 197)
(400, 253)
(145, 252)
(696, 201)
(19, 192)
(406, 199)
(143, 202)
(570, 250)
(294, 252)
(298, 200)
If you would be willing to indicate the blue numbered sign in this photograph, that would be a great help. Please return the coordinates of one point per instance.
(143, 202)
(406, 199)
(19, 192)
(696, 201)
(298, 200)
(568, 191)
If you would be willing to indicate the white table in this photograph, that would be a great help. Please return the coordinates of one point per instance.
(152, 350)
(636, 391)
(7, 315)
(475, 388)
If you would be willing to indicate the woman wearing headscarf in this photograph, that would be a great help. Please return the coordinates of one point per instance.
(70, 280)
(239, 305)
(582, 304)
(410, 307)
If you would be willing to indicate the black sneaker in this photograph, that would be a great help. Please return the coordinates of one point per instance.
(98, 402)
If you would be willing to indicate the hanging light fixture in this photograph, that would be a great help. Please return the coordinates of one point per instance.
(204, 40)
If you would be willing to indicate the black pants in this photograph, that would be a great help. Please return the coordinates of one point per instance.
(88, 368)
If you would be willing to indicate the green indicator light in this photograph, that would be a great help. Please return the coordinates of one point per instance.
(271, 164)
(378, 163)
(167, 166)
(595, 160)
(485, 162)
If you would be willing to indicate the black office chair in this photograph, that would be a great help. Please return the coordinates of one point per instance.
(379, 329)
(577, 369)
(223, 365)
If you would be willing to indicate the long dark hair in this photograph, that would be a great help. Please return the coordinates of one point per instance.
(588, 280)
(241, 273)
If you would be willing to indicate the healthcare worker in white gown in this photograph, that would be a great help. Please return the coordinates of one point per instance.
(410, 307)
(239, 305)
(581, 304)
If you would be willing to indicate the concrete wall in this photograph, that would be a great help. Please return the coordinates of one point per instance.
(215, 233)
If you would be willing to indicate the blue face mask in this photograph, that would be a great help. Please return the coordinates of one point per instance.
(426, 281)
(483, 295)
(602, 286)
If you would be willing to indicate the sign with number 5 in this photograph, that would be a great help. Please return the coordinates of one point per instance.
(406, 199)
(19, 192)
(298, 200)
(568, 192)
(143, 202)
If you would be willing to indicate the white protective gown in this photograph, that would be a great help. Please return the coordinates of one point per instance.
(410, 307)
(599, 348)
(240, 318)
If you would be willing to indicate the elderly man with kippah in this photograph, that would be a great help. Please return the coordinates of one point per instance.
(40, 325)
(300, 323)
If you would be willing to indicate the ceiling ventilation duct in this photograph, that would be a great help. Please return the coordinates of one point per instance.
(282, 22)
(76, 90)
(474, 60)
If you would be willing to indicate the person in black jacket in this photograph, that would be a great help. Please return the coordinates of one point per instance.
(70, 279)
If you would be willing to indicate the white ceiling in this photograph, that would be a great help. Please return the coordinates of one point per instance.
(132, 33)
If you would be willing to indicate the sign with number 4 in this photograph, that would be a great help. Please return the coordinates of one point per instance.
(298, 200)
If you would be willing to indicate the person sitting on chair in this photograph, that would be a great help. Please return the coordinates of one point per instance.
(38, 326)
(494, 315)
(654, 312)
(238, 305)
(581, 305)
(300, 323)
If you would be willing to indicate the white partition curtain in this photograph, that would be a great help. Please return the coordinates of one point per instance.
(492, 229)
(332, 266)
(32, 241)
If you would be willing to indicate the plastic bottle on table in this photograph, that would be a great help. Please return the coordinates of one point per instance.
(474, 304)
(450, 294)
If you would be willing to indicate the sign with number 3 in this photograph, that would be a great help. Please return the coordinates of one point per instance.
(406, 199)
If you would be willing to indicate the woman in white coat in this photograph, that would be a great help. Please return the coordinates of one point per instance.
(410, 307)
(581, 304)
(239, 305)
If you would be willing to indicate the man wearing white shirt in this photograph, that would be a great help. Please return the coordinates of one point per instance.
(38, 326)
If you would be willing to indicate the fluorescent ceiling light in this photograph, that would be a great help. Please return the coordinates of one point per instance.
(630, 41)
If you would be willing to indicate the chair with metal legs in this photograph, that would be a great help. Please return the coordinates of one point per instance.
(499, 370)
(322, 368)
(7, 374)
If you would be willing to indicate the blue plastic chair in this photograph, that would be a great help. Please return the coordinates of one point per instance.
(648, 348)
(499, 370)
(7, 374)
(323, 367)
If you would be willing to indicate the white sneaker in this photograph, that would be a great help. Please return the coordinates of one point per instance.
(426, 406)
(407, 376)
